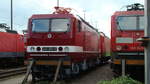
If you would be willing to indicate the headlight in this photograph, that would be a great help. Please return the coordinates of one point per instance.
(38, 48)
(60, 49)
(32, 48)
(66, 49)
(118, 48)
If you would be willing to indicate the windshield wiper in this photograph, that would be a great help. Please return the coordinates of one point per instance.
(119, 26)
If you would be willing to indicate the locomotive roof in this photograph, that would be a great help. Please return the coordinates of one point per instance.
(8, 31)
(125, 13)
(103, 34)
(37, 16)
(81, 19)
(50, 15)
(12, 31)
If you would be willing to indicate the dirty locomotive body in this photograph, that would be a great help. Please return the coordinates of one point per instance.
(61, 38)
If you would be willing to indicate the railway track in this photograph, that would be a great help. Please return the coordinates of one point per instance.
(12, 72)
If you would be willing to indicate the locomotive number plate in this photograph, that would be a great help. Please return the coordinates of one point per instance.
(49, 49)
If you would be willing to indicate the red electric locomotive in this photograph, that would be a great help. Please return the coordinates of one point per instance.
(11, 48)
(126, 28)
(61, 36)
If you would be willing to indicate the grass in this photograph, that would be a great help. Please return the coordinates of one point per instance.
(120, 80)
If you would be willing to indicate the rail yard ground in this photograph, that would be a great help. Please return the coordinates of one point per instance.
(100, 73)
(90, 77)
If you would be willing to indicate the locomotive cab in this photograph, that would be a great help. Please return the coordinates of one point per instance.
(129, 28)
(50, 33)
(51, 27)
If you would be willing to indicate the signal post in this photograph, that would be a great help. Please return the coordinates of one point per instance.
(147, 37)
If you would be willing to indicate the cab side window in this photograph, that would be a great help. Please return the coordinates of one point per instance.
(79, 26)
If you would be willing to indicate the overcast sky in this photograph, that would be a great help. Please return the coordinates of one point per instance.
(98, 12)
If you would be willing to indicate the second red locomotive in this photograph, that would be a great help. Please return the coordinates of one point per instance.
(126, 28)
(11, 48)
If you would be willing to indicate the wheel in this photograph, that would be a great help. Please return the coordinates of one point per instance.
(75, 69)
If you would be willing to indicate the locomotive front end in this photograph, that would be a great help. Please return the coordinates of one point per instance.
(127, 27)
(50, 38)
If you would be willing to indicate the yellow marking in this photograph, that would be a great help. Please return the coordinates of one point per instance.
(47, 62)
(135, 62)
(130, 62)
(116, 61)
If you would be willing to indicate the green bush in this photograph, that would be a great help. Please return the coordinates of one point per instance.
(121, 80)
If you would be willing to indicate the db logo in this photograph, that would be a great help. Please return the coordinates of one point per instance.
(49, 36)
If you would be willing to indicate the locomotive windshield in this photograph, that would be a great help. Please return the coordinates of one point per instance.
(130, 22)
(50, 25)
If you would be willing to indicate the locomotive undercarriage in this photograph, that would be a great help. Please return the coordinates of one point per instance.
(131, 58)
(134, 64)
(47, 72)
(11, 62)
(134, 71)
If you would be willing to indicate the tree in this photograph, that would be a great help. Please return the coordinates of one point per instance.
(4, 26)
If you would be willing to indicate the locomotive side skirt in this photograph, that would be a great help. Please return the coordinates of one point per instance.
(11, 54)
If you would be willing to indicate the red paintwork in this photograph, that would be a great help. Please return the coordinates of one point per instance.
(20, 43)
(86, 38)
(134, 47)
(107, 46)
(104, 44)
(11, 43)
